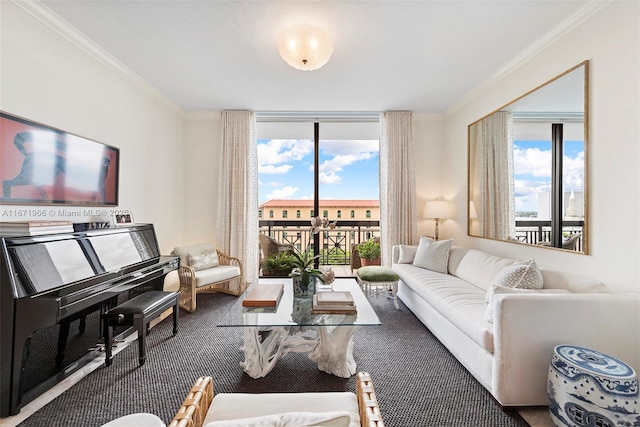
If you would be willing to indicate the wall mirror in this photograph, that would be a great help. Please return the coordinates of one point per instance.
(527, 167)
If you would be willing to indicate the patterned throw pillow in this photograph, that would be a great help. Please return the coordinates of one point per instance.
(203, 261)
(525, 275)
(433, 254)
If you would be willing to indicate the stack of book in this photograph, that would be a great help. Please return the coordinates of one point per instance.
(264, 295)
(336, 302)
(34, 228)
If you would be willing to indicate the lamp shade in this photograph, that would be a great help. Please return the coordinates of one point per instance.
(305, 47)
(436, 209)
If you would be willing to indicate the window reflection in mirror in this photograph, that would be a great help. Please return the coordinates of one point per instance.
(527, 167)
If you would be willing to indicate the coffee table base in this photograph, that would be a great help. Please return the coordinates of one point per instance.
(331, 349)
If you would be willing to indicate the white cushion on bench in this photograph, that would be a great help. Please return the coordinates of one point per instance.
(236, 406)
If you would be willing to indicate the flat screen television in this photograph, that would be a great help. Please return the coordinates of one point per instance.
(42, 164)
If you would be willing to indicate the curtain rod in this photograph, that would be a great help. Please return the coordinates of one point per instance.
(317, 116)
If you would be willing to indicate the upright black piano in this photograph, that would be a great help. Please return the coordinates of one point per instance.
(53, 289)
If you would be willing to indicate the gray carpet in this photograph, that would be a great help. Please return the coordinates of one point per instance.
(417, 381)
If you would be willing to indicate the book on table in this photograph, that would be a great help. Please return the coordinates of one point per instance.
(335, 297)
(264, 295)
(34, 228)
(343, 306)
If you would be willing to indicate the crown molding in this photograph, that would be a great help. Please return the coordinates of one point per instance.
(203, 115)
(427, 117)
(590, 8)
(72, 34)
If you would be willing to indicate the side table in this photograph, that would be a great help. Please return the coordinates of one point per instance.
(588, 388)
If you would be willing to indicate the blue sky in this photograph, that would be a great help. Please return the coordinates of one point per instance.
(532, 170)
(348, 169)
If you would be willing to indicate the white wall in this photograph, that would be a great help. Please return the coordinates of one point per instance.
(48, 79)
(611, 41)
(203, 138)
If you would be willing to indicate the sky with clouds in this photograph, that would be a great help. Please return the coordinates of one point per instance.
(532, 170)
(285, 169)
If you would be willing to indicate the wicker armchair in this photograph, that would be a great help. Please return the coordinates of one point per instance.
(270, 246)
(197, 408)
(226, 277)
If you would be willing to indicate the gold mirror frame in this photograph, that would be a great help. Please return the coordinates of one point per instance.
(553, 114)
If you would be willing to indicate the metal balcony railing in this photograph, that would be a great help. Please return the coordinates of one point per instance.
(335, 245)
(537, 232)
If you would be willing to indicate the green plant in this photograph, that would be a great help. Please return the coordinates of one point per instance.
(303, 266)
(369, 249)
(280, 262)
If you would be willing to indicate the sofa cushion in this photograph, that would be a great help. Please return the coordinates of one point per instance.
(207, 259)
(433, 254)
(235, 406)
(217, 274)
(459, 301)
(522, 275)
(479, 268)
(500, 290)
(571, 282)
(407, 254)
(289, 419)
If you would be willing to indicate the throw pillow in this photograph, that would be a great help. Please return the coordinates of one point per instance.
(523, 275)
(203, 261)
(500, 290)
(407, 254)
(433, 254)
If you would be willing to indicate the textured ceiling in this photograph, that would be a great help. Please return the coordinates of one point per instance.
(389, 55)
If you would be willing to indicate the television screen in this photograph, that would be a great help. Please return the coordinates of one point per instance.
(41, 164)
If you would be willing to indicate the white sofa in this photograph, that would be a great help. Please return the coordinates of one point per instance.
(510, 357)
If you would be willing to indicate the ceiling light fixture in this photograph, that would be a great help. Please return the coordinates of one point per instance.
(305, 47)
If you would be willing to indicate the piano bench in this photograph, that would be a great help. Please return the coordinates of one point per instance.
(138, 312)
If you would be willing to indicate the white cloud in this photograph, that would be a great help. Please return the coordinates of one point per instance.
(274, 170)
(282, 193)
(345, 153)
(329, 177)
(279, 151)
(532, 161)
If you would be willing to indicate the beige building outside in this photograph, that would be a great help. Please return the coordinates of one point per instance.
(335, 210)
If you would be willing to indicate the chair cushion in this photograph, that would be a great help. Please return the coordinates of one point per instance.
(236, 406)
(136, 420)
(216, 274)
(289, 419)
(376, 273)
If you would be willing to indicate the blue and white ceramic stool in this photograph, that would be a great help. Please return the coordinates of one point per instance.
(588, 388)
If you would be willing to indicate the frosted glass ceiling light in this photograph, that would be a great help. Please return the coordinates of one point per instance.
(305, 47)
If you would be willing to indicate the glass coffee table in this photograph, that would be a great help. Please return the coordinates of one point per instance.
(269, 333)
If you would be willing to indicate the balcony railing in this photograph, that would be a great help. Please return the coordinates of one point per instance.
(537, 232)
(335, 245)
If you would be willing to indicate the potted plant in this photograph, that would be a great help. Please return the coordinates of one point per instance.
(369, 252)
(278, 265)
(304, 274)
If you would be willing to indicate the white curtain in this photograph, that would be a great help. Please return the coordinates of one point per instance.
(237, 227)
(491, 152)
(398, 212)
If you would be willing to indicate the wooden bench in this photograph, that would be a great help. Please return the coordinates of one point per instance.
(138, 312)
